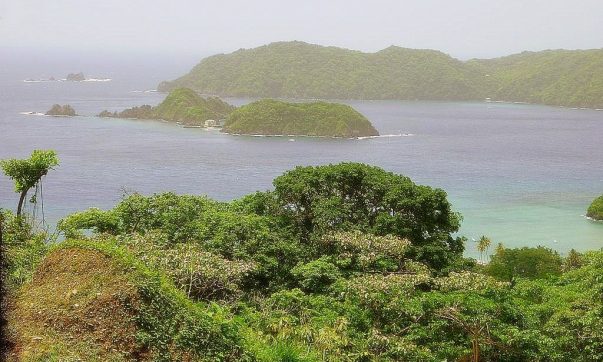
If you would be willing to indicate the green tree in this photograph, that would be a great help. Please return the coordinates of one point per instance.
(317, 275)
(483, 244)
(354, 196)
(531, 263)
(572, 261)
(27, 173)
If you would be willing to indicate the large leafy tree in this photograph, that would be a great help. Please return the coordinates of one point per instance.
(27, 173)
(526, 262)
(366, 198)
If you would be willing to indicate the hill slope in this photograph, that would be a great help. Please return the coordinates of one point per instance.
(272, 117)
(92, 302)
(555, 77)
(301, 70)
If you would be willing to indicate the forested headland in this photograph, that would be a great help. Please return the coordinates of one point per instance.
(572, 78)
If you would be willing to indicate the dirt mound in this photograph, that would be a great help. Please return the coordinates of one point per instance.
(86, 303)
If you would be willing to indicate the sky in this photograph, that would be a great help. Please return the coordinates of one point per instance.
(462, 28)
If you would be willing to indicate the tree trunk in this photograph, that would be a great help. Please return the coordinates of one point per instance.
(475, 348)
(21, 201)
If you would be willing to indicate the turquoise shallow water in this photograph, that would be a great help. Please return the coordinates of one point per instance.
(521, 174)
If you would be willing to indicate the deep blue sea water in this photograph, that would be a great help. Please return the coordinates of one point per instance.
(521, 174)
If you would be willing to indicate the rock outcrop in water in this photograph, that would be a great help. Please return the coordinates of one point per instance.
(76, 77)
(59, 110)
(595, 210)
(319, 119)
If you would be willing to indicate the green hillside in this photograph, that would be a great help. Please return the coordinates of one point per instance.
(272, 117)
(555, 77)
(301, 70)
(181, 105)
(338, 263)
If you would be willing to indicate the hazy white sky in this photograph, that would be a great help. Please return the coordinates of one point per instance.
(462, 28)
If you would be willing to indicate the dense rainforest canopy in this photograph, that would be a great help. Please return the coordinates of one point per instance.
(272, 117)
(300, 70)
(342, 262)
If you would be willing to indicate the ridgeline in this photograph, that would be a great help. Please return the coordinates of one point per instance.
(300, 70)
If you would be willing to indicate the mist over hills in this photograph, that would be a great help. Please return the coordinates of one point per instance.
(301, 70)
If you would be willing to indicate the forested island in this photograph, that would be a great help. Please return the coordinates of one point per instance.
(181, 105)
(341, 262)
(572, 78)
(595, 210)
(264, 117)
(61, 110)
(319, 119)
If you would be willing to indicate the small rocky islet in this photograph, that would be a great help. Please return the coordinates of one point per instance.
(61, 110)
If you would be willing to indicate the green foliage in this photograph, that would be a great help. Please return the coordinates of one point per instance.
(95, 220)
(352, 196)
(595, 210)
(22, 259)
(181, 105)
(28, 172)
(343, 262)
(200, 274)
(306, 71)
(176, 216)
(317, 275)
(23, 249)
(558, 77)
(483, 244)
(301, 70)
(272, 117)
(356, 251)
(532, 263)
(59, 110)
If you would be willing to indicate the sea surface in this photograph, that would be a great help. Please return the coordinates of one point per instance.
(521, 174)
